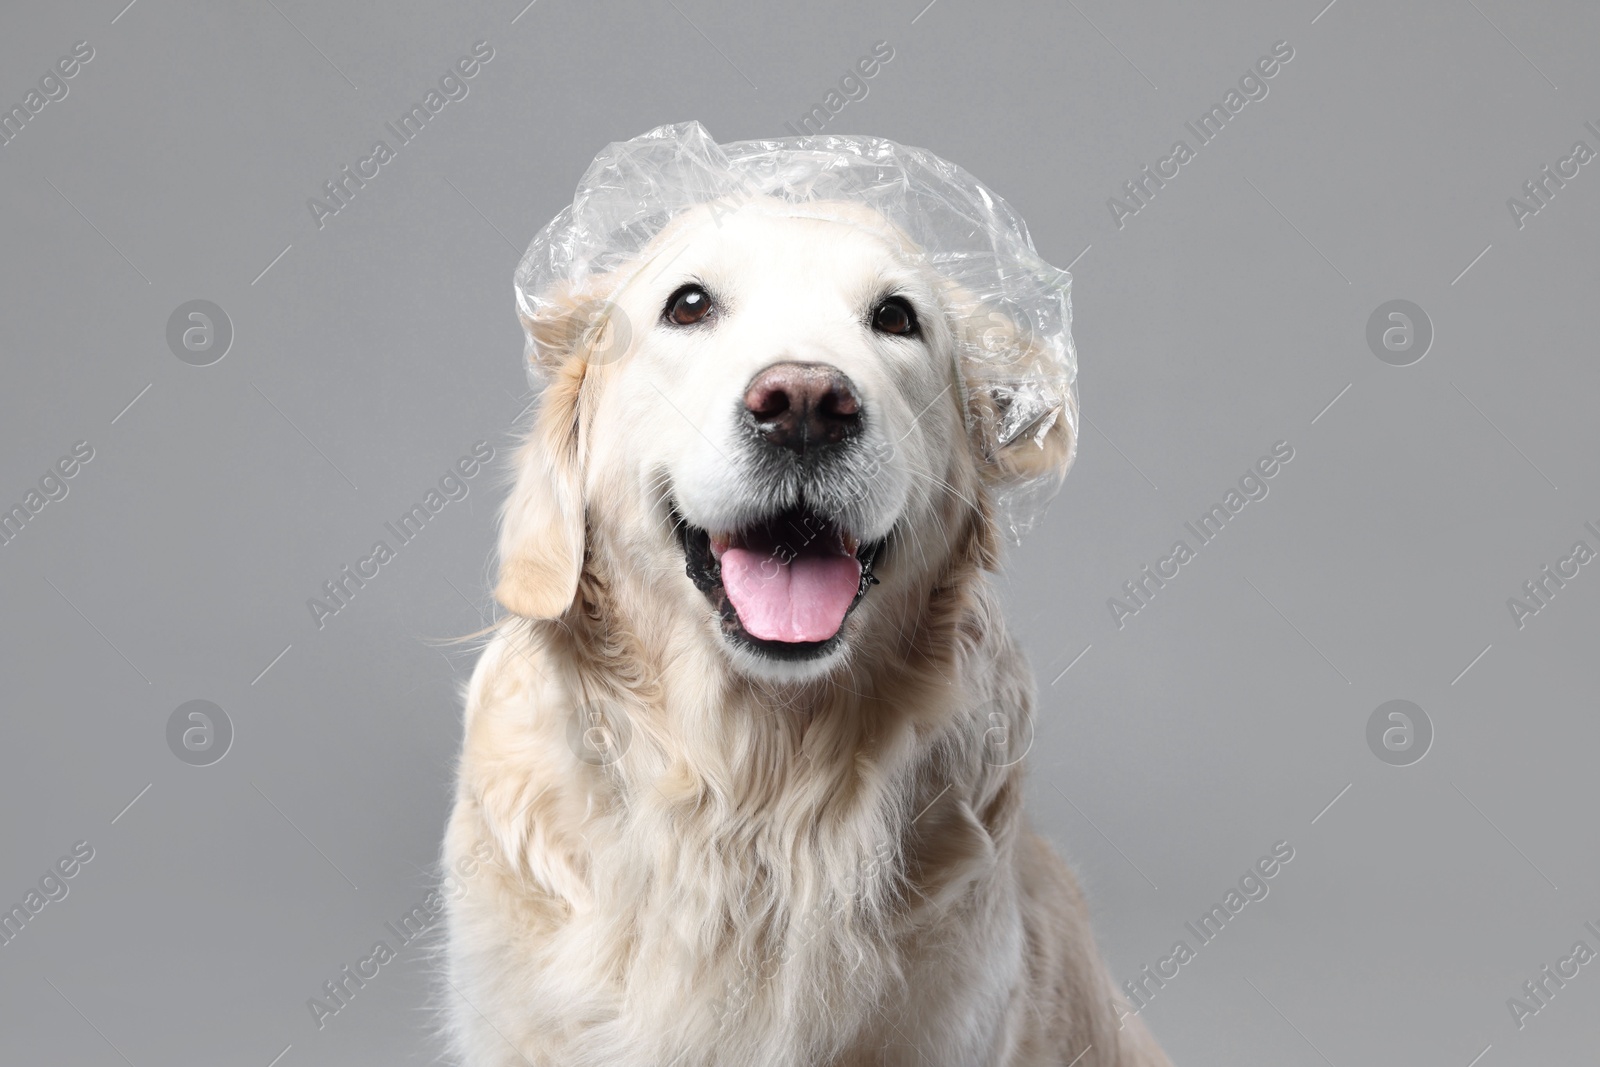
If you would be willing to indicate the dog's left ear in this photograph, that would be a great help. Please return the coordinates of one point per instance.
(1021, 406)
(542, 524)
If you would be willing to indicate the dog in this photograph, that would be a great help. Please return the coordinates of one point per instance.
(724, 796)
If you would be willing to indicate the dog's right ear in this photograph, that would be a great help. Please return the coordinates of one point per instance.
(542, 523)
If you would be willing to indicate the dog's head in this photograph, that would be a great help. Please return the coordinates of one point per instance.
(764, 429)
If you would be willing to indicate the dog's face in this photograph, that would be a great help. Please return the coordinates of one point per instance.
(765, 421)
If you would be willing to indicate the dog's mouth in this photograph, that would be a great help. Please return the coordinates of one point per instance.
(782, 586)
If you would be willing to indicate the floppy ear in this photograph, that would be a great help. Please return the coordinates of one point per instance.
(541, 525)
(542, 522)
(1020, 404)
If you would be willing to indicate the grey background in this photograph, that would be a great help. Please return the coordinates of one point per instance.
(1223, 317)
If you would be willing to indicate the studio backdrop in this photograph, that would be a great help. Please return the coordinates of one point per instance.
(1321, 587)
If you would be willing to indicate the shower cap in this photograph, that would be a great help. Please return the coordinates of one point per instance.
(1017, 344)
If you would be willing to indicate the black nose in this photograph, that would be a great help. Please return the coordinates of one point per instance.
(802, 406)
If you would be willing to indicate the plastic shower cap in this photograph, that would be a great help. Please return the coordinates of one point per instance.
(1017, 340)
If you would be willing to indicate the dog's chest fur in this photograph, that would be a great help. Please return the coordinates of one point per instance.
(775, 907)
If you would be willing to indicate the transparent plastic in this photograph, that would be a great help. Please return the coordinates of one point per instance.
(1016, 307)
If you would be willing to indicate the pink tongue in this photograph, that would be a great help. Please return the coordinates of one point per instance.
(804, 599)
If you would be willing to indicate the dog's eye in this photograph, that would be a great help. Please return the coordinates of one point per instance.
(894, 316)
(688, 306)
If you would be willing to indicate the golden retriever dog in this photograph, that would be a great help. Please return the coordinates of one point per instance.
(727, 795)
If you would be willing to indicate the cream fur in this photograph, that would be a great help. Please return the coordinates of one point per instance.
(782, 867)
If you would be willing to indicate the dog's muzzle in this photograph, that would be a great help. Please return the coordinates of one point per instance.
(784, 582)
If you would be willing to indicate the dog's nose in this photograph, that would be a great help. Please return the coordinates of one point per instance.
(802, 406)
